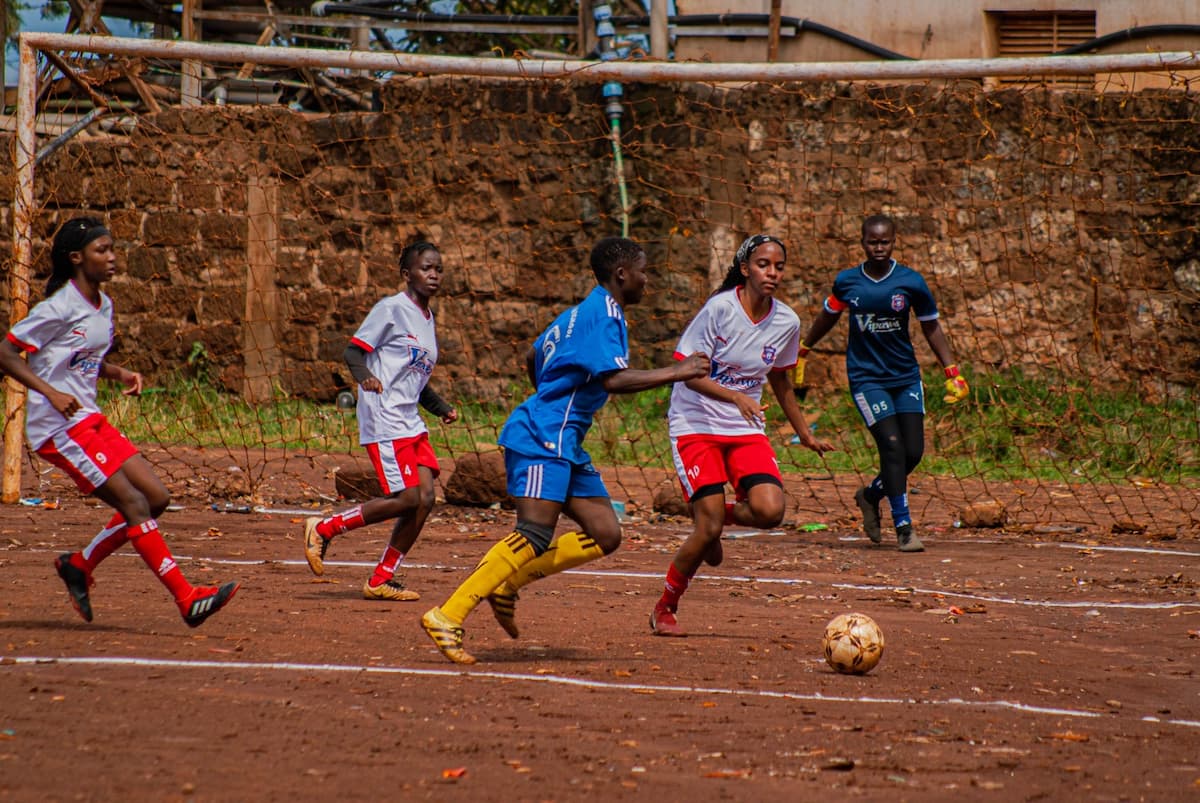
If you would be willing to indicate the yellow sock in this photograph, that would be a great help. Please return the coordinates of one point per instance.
(568, 551)
(500, 562)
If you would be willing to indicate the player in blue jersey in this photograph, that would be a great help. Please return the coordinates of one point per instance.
(884, 375)
(574, 365)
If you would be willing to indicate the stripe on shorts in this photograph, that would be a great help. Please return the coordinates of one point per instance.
(681, 470)
(860, 400)
(533, 480)
(80, 460)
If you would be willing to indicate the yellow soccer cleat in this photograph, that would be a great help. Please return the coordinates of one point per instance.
(504, 606)
(447, 635)
(389, 591)
(314, 546)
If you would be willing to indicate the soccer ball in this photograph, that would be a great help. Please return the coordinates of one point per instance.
(853, 643)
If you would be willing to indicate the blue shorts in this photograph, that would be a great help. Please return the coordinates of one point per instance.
(875, 403)
(551, 478)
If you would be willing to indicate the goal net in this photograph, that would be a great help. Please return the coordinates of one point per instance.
(1055, 228)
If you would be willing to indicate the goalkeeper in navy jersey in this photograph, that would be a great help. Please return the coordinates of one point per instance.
(884, 375)
(574, 365)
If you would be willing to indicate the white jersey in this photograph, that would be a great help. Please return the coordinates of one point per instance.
(401, 344)
(742, 352)
(66, 338)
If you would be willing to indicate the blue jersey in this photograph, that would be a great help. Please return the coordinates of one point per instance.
(572, 356)
(879, 350)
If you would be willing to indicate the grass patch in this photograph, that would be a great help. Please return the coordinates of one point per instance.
(1013, 427)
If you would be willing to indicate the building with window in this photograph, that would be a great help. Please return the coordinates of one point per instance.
(856, 30)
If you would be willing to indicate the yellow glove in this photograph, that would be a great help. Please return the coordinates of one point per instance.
(956, 386)
(798, 372)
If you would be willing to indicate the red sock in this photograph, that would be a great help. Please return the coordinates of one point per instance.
(149, 543)
(339, 523)
(386, 569)
(676, 583)
(106, 542)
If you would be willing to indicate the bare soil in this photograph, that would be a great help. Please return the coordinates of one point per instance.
(1042, 661)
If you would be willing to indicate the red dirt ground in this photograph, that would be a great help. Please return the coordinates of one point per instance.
(1021, 664)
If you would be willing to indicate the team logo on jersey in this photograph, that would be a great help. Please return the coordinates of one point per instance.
(85, 362)
(768, 354)
(79, 331)
(875, 325)
(899, 302)
(418, 360)
(728, 376)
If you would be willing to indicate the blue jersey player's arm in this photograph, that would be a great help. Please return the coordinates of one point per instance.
(531, 366)
(634, 380)
(826, 319)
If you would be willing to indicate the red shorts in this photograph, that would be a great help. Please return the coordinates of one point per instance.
(396, 462)
(703, 460)
(90, 452)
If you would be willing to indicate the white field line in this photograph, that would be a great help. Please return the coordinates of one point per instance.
(562, 680)
(784, 581)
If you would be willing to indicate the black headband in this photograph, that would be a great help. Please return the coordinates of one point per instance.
(747, 248)
(78, 234)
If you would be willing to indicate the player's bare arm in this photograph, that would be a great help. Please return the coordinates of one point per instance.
(821, 325)
(781, 386)
(633, 380)
(132, 380)
(531, 366)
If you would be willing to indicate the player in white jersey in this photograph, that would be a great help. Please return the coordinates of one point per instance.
(716, 423)
(67, 337)
(391, 357)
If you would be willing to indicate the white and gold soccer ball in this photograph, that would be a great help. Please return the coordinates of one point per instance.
(853, 643)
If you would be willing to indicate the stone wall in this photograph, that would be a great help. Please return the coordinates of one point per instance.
(1057, 231)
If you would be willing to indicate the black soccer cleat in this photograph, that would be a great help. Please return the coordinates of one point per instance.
(77, 581)
(205, 601)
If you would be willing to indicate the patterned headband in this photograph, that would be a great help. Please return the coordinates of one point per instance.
(747, 248)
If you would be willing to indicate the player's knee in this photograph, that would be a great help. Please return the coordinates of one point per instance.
(426, 497)
(607, 537)
(767, 515)
(158, 502)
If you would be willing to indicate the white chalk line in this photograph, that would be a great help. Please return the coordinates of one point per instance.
(563, 680)
(784, 581)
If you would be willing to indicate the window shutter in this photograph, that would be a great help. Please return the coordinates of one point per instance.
(1040, 33)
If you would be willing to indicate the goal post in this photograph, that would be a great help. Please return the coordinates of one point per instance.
(509, 164)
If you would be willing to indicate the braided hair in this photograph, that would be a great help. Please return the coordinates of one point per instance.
(408, 257)
(74, 236)
(734, 277)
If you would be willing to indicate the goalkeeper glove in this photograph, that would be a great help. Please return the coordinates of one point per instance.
(798, 372)
(956, 386)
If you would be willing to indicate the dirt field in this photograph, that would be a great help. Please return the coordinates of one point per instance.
(1021, 664)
